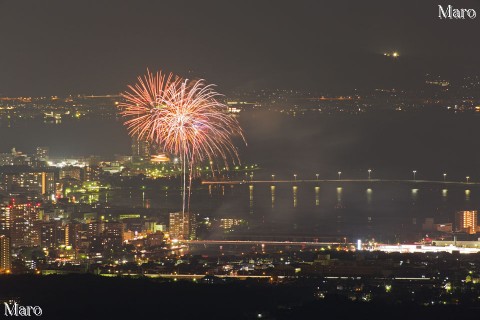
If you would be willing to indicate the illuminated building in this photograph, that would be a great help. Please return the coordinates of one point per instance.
(228, 223)
(20, 223)
(112, 236)
(54, 234)
(81, 239)
(5, 219)
(182, 226)
(466, 221)
(34, 232)
(48, 234)
(23, 230)
(92, 173)
(19, 233)
(71, 172)
(149, 226)
(66, 235)
(73, 234)
(42, 153)
(140, 148)
(6, 159)
(112, 167)
(5, 253)
(160, 227)
(25, 179)
(94, 229)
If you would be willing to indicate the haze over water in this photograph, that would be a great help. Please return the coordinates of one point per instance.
(392, 144)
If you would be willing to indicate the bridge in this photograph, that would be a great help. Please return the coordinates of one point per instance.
(402, 248)
(298, 181)
(194, 277)
(268, 242)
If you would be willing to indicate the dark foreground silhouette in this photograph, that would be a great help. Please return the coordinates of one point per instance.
(95, 297)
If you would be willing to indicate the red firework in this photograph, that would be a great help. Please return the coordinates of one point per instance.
(182, 116)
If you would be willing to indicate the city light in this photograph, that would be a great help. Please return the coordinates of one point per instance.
(147, 201)
(393, 54)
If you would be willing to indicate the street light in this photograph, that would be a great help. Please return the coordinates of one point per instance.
(317, 175)
(339, 174)
(414, 173)
(444, 177)
(273, 177)
(468, 178)
(295, 176)
(369, 172)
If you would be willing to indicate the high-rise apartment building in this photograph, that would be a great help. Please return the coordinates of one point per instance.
(182, 226)
(466, 221)
(5, 254)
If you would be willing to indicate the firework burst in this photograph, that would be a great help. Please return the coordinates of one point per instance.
(184, 117)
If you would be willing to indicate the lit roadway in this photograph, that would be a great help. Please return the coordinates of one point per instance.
(339, 181)
(194, 277)
(270, 243)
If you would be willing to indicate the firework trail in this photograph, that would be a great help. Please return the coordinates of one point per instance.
(182, 116)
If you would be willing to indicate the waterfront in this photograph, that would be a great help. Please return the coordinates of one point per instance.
(337, 208)
(391, 143)
(298, 148)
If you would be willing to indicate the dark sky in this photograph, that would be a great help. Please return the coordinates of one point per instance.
(95, 46)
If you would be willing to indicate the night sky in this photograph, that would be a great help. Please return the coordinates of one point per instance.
(92, 46)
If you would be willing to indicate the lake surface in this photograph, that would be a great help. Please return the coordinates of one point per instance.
(392, 144)
(353, 209)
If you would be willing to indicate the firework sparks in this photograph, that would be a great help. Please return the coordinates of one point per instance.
(182, 116)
